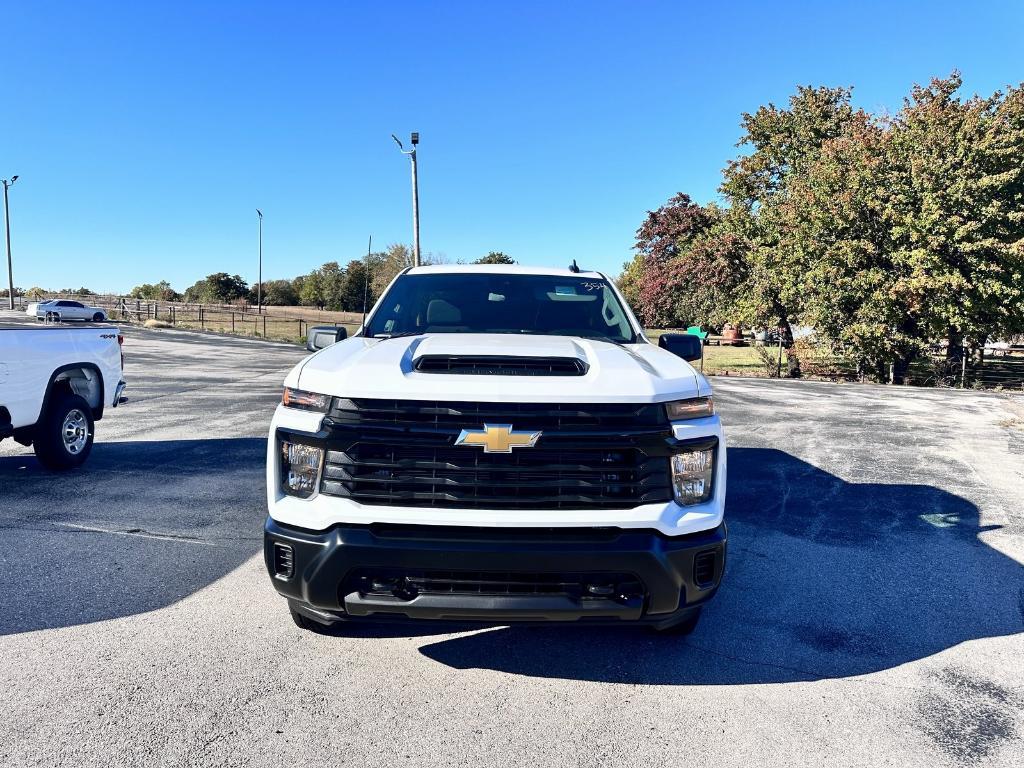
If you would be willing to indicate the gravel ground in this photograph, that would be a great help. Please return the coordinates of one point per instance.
(872, 611)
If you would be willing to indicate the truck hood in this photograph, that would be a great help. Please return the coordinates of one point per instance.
(386, 368)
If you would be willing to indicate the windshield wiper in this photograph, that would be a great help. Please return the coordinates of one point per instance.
(395, 335)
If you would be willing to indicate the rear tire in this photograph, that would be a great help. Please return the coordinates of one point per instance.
(683, 628)
(63, 437)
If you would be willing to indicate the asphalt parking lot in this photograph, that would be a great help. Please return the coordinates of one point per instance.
(872, 611)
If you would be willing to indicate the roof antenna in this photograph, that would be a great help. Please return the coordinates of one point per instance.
(366, 281)
(573, 268)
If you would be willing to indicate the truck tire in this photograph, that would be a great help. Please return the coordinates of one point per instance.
(63, 437)
(684, 627)
(306, 623)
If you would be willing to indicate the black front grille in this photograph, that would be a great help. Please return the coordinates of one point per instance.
(629, 418)
(589, 456)
(501, 365)
(407, 584)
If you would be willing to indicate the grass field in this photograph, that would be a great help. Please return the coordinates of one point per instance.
(738, 361)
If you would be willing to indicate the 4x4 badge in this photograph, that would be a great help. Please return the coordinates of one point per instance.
(498, 438)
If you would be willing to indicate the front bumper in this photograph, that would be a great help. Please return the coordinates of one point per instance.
(332, 575)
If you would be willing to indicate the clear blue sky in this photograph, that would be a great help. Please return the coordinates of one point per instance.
(146, 134)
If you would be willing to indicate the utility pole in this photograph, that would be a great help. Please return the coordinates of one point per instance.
(414, 140)
(7, 220)
(259, 283)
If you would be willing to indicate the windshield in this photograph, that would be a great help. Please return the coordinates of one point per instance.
(501, 303)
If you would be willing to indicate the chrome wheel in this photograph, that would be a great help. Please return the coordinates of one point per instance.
(75, 431)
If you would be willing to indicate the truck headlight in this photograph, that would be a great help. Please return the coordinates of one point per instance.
(692, 473)
(307, 401)
(694, 408)
(300, 468)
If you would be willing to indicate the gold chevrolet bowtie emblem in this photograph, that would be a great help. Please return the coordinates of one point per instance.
(498, 438)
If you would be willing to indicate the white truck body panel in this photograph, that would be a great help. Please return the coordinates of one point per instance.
(384, 368)
(32, 356)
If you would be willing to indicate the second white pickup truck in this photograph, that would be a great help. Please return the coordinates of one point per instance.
(55, 383)
(497, 444)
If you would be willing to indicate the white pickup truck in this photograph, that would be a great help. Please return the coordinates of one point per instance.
(55, 383)
(497, 444)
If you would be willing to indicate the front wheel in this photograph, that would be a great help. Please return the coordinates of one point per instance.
(63, 437)
(98, 317)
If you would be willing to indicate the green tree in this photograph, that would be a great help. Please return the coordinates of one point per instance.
(161, 291)
(386, 266)
(355, 283)
(782, 143)
(958, 215)
(495, 257)
(276, 293)
(311, 292)
(218, 288)
(323, 287)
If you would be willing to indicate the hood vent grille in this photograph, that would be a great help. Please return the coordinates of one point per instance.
(501, 365)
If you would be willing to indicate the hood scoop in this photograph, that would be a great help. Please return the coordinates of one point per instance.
(500, 365)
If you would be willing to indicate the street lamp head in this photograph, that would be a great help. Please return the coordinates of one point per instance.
(259, 213)
(399, 143)
(415, 138)
(13, 179)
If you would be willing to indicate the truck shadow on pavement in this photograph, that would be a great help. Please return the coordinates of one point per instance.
(825, 579)
(139, 527)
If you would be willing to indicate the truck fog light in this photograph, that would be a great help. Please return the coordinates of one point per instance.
(692, 472)
(300, 468)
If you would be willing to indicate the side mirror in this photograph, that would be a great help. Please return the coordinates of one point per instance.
(684, 345)
(320, 336)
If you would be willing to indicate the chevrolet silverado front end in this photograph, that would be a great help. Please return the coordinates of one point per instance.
(497, 444)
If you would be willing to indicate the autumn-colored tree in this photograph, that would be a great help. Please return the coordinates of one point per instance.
(687, 266)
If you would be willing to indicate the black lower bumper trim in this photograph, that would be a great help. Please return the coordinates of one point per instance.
(322, 579)
(493, 607)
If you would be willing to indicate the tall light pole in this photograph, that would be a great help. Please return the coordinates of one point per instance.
(7, 219)
(259, 284)
(414, 140)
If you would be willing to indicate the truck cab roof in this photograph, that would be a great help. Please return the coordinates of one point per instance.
(505, 269)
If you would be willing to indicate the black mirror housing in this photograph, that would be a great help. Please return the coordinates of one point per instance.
(684, 345)
(320, 336)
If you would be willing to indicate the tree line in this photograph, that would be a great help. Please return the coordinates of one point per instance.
(330, 286)
(885, 233)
